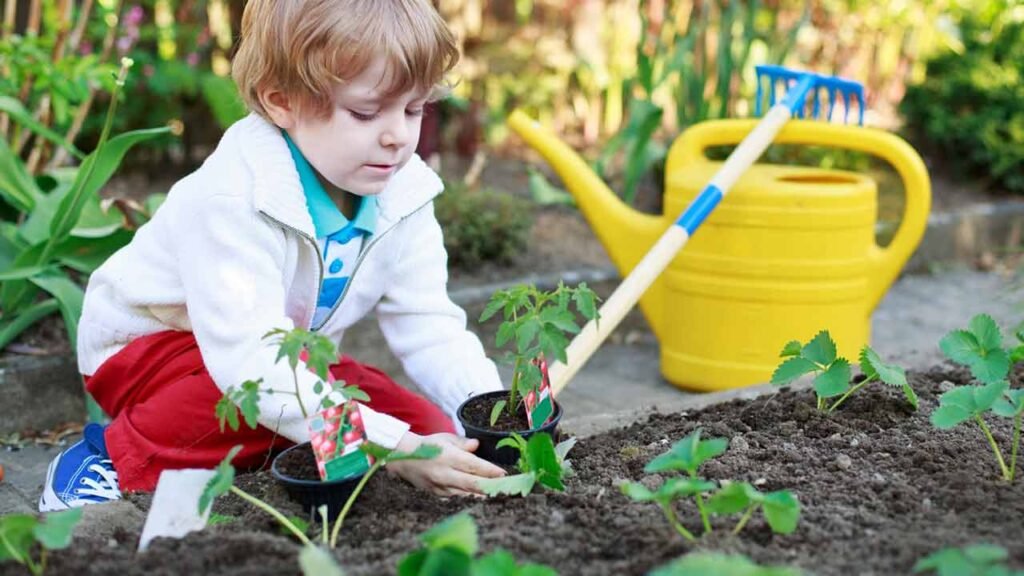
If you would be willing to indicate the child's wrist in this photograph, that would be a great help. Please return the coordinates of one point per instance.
(409, 442)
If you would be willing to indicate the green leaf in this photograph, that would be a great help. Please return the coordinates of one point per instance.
(16, 110)
(874, 368)
(985, 396)
(992, 367)
(835, 381)
(948, 416)
(792, 369)
(17, 530)
(17, 187)
(502, 563)
(542, 460)
(69, 296)
(96, 170)
(585, 301)
(457, 532)
(563, 448)
(315, 561)
(221, 94)
(220, 483)
(960, 346)
(687, 454)
(821, 349)
(23, 319)
(526, 331)
(1010, 405)
(976, 559)
(734, 497)
(561, 319)
(986, 331)
(226, 411)
(422, 452)
(782, 511)
(353, 392)
(679, 486)
(505, 333)
(910, 395)
(496, 411)
(412, 563)
(637, 491)
(445, 562)
(792, 348)
(492, 308)
(512, 485)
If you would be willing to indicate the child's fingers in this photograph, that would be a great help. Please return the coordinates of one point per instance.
(467, 462)
(455, 481)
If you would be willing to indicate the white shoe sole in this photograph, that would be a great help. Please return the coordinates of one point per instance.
(48, 500)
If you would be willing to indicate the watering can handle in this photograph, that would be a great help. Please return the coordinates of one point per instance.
(888, 261)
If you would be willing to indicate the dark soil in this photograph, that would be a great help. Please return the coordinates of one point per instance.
(478, 413)
(879, 487)
(299, 464)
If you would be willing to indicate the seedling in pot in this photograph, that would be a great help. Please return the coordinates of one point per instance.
(781, 509)
(27, 540)
(450, 548)
(979, 559)
(224, 478)
(980, 348)
(540, 462)
(706, 563)
(536, 323)
(832, 372)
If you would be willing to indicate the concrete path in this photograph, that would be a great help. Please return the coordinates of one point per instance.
(622, 381)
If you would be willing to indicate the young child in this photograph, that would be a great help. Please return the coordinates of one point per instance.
(312, 212)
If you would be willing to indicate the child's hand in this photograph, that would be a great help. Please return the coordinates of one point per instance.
(454, 472)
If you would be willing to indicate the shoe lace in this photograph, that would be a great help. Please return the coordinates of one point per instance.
(106, 485)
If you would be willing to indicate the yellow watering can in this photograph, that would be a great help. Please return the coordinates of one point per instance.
(789, 252)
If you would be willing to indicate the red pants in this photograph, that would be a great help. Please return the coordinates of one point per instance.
(161, 400)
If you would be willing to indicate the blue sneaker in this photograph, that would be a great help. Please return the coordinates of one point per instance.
(83, 474)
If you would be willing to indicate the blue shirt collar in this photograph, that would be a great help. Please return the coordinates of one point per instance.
(327, 218)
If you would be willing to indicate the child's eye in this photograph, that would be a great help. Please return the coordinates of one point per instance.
(362, 117)
(414, 112)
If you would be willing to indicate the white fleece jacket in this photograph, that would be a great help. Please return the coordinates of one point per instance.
(231, 254)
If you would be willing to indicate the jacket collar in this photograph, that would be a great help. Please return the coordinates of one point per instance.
(277, 190)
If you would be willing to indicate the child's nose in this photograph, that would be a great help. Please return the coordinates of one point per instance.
(396, 132)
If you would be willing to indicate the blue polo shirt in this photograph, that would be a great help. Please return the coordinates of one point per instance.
(340, 239)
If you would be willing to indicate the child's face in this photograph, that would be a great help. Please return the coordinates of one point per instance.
(366, 138)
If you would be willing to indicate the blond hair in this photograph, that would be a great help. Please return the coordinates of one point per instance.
(305, 48)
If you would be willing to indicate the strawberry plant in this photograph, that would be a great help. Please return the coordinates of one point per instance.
(976, 560)
(832, 372)
(980, 348)
(781, 509)
(449, 549)
(703, 563)
(26, 539)
(223, 481)
(536, 323)
(540, 462)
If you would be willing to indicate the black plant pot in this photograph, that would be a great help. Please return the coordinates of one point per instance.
(488, 449)
(312, 494)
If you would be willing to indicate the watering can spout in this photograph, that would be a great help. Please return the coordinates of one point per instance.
(625, 233)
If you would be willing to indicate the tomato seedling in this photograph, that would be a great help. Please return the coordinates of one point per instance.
(536, 323)
(27, 540)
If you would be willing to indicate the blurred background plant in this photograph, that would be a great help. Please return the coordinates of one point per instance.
(968, 110)
(54, 227)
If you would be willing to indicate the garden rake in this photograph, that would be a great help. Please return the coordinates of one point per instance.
(797, 87)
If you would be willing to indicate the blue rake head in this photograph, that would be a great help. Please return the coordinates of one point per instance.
(798, 85)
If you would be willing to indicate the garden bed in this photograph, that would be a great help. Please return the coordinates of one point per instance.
(879, 488)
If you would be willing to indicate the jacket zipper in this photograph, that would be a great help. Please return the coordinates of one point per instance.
(320, 261)
(359, 261)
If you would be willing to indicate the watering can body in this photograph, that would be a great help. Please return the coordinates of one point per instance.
(790, 251)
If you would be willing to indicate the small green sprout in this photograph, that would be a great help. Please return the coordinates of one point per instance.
(833, 372)
(223, 480)
(540, 462)
(706, 563)
(537, 323)
(27, 540)
(450, 547)
(319, 352)
(781, 509)
(976, 560)
(980, 348)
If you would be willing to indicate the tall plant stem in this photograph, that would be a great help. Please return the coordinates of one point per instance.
(512, 389)
(670, 515)
(270, 510)
(995, 447)
(847, 395)
(743, 521)
(703, 514)
(298, 397)
(351, 499)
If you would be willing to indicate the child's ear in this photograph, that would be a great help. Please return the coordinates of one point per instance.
(278, 107)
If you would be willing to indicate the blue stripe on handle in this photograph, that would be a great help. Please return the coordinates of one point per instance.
(699, 209)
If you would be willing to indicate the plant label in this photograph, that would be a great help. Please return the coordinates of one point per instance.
(175, 508)
(336, 435)
(539, 405)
